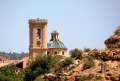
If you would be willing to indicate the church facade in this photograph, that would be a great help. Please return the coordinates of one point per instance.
(38, 40)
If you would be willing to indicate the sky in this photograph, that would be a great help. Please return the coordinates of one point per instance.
(81, 23)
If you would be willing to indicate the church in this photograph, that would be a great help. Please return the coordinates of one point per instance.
(38, 40)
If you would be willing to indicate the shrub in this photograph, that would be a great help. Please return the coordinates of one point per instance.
(62, 65)
(66, 62)
(87, 49)
(98, 77)
(7, 73)
(76, 53)
(89, 62)
(83, 78)
(40, 65)
(117, 31)
(4, 78)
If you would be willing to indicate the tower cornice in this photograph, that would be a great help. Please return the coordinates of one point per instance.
(38, 21)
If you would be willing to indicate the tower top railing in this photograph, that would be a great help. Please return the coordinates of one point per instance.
(38, 20)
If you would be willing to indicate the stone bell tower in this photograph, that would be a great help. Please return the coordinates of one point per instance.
(37, 33)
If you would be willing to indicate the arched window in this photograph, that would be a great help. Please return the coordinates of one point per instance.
(39, 34)
(63, 53)
(48, 52)
(55, 53)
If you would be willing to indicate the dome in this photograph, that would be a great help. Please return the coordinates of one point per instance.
(55, 44)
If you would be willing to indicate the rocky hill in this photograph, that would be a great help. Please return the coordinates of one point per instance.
(91, 65)
(88, 68)
(114, 40)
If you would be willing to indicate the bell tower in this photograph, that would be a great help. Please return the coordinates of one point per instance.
(37, 33)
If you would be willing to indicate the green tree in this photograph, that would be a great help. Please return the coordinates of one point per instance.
(76, 53)
(7, 73)
(40, 65)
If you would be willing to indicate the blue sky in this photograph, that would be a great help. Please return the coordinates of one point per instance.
(81, 23)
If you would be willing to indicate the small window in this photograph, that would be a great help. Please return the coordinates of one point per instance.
(63, 53)
(55, 52)
(38, 43)
(48, 52)
(39, 33)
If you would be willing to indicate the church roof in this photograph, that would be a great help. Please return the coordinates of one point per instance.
(55, 41)
(56, 44)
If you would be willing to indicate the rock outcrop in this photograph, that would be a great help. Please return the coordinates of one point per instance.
(114, 40)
